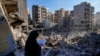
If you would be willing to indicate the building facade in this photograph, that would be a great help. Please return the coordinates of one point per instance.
(66, 21)
(96, 21)
(52, 18)
(22, 7)
(83, 16)
(97, 18)
(39, 13)
(59, 16)
(29, 17)
(22, 4)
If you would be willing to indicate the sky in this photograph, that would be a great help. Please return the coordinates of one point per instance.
(57, 4)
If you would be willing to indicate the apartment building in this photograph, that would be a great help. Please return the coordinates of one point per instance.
(29, 17)
(67, 18)
(22, 4)
(52, 18)
(83, 16)
(97, 18)
(59, 16)
(39, 13)
(22, 7)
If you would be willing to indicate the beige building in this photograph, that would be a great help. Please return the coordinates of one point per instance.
(48, 13)
(83, 16)
(67, 19)
(59, 16)
(56, 16)
(39, 13)
(67, 14)
(22, 5)
(9, 40)
(52, 18)
(21, 11)
(29, 17)
(97, 18)
(96, 21)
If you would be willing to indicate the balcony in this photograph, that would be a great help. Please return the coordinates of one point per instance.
(10, 5)
(9, 2)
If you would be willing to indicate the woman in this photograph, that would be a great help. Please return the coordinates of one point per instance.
(32, 48)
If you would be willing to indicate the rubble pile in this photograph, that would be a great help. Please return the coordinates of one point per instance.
(76, 44)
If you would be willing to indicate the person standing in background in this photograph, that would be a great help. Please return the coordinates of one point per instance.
(32, 48)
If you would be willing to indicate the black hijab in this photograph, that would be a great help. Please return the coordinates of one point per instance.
(32, 48)
(33, 36)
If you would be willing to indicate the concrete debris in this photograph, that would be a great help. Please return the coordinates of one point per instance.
(76, 44)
